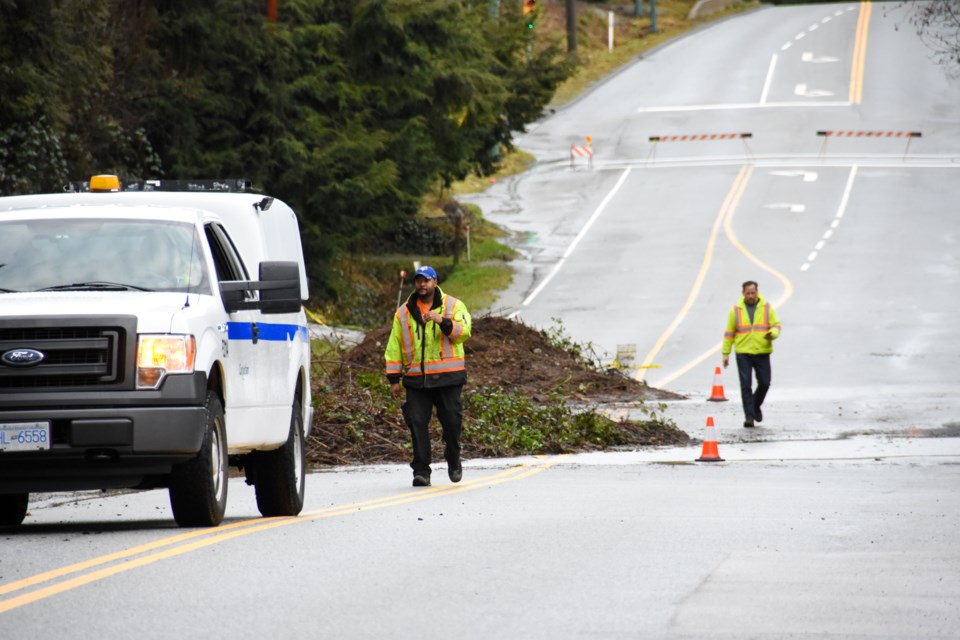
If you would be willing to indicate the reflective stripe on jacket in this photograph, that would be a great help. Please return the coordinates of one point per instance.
(748, 337)
(428, 354)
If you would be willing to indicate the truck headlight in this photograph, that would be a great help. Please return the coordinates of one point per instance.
(159, 355)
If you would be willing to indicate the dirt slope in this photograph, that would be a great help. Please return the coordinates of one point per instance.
(353, 424)
(513, 355)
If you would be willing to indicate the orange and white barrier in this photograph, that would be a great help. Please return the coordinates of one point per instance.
(582, 151)
(908, 135)
(870, 134)
(700, 137)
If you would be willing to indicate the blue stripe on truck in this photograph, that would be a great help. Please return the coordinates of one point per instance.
(267, 331)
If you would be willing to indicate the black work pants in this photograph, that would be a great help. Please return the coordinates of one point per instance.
(747, 365)
(417, 411)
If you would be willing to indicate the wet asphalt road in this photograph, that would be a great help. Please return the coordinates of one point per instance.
(853, 237)
(835, 519)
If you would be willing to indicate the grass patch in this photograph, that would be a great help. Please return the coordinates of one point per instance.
(514, 162)
(477, 283)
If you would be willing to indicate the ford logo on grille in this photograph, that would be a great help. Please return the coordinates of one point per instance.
(22, 357)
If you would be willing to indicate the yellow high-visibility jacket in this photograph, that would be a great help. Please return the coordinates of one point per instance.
(748, 337)
(428, 354)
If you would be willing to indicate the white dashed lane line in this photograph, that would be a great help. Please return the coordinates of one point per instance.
(836, 221)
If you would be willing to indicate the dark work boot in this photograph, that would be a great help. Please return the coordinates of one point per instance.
(748, 423)
(421, 481)
(455, 473)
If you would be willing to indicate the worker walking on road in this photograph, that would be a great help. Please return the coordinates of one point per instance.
(752, 326)
(425, 351)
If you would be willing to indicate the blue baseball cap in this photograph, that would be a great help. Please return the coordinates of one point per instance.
(426, 272)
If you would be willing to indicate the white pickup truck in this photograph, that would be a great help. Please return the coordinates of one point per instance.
(151, 336)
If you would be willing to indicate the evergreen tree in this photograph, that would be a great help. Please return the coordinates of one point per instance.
(66, 108)
(350, 110)
(32, 115)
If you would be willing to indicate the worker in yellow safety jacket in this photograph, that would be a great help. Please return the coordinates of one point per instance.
(752, 326)
(425, 352)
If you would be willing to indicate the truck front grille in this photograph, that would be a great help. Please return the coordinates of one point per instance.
(77, 352)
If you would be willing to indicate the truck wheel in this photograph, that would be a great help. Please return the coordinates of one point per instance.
(198, 487)
(280, 478)
(13, 508)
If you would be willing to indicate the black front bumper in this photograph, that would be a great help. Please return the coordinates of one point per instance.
(108, 439)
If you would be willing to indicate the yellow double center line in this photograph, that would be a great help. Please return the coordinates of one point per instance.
(177, 545)
(724, 219)
(726, 211)
(860, 54)
(725, 216)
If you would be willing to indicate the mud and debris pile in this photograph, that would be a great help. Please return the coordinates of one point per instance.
(356, 421)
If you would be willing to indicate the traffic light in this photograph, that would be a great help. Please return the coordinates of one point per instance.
(529, 12)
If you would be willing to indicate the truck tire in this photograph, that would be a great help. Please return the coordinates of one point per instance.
(280, 478)
(13, 508)
(198, 487)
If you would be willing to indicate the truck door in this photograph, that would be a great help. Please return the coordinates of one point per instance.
(243, 394)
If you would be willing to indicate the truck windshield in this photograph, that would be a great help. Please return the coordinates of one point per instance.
(101, 254)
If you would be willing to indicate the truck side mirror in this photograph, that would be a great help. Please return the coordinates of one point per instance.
(283, 293)
(279, 287)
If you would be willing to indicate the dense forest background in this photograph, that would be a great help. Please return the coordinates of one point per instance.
(348, 110)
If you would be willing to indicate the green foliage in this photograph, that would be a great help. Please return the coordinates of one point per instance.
(558, 338)
(31, 153)
(504, 423)
(367, 288)
(67, 72)
(349, 110)
(422, 237)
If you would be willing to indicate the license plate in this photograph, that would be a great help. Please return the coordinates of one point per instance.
(24, 436)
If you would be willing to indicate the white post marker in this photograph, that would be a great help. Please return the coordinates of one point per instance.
(403, 274)
(610, 29)
(626, 357)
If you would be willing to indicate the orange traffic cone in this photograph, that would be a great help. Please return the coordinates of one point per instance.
(716, 394)
(709, 452)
